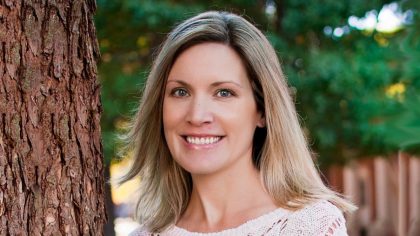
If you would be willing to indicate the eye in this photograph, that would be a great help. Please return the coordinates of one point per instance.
(224, 93)
(179, 92)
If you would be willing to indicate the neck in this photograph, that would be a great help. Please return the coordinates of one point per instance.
(226, 199)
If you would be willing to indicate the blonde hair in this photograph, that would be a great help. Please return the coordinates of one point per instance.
(280, 150)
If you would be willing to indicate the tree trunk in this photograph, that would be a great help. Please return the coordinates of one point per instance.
(51, 170)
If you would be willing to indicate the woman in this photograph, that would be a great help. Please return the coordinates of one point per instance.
(217, 142)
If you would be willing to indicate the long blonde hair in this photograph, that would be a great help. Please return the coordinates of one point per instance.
(280, 150)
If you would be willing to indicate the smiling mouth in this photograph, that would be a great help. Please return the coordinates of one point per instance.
(202, 140)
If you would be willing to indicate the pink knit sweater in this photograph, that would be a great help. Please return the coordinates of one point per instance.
(318, 219)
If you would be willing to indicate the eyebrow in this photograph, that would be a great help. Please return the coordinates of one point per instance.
(215, 84)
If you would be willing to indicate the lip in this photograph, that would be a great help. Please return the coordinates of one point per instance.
(201, 146)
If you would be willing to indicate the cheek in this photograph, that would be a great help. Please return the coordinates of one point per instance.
(168, 124)
(167, 117)
(243, 113)
(171, 116)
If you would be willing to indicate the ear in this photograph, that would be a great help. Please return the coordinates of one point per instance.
(261, 122)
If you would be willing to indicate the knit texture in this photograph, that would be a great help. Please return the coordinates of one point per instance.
(318, 219)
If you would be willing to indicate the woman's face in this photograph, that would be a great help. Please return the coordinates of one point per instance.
(209, 111)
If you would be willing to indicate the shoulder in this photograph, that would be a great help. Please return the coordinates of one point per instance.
(321, 208)
(141, 231)
(319, 218)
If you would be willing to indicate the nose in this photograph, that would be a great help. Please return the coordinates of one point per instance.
(199, 112)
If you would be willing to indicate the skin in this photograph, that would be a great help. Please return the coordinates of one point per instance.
(208, 94)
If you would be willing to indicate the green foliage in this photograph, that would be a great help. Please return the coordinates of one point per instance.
(356, 94)
(403, 129)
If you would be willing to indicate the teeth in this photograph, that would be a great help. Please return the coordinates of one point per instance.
(202, 140)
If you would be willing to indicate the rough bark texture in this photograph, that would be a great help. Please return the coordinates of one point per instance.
(51, 170)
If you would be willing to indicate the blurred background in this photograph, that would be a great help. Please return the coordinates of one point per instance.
(354, 67)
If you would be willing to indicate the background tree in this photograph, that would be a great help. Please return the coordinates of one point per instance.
(51, 172)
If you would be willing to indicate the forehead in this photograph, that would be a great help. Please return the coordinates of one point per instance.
(209, 62)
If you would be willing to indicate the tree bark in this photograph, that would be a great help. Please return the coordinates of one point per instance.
(51, 170)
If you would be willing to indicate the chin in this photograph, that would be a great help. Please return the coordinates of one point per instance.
(200, 169)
